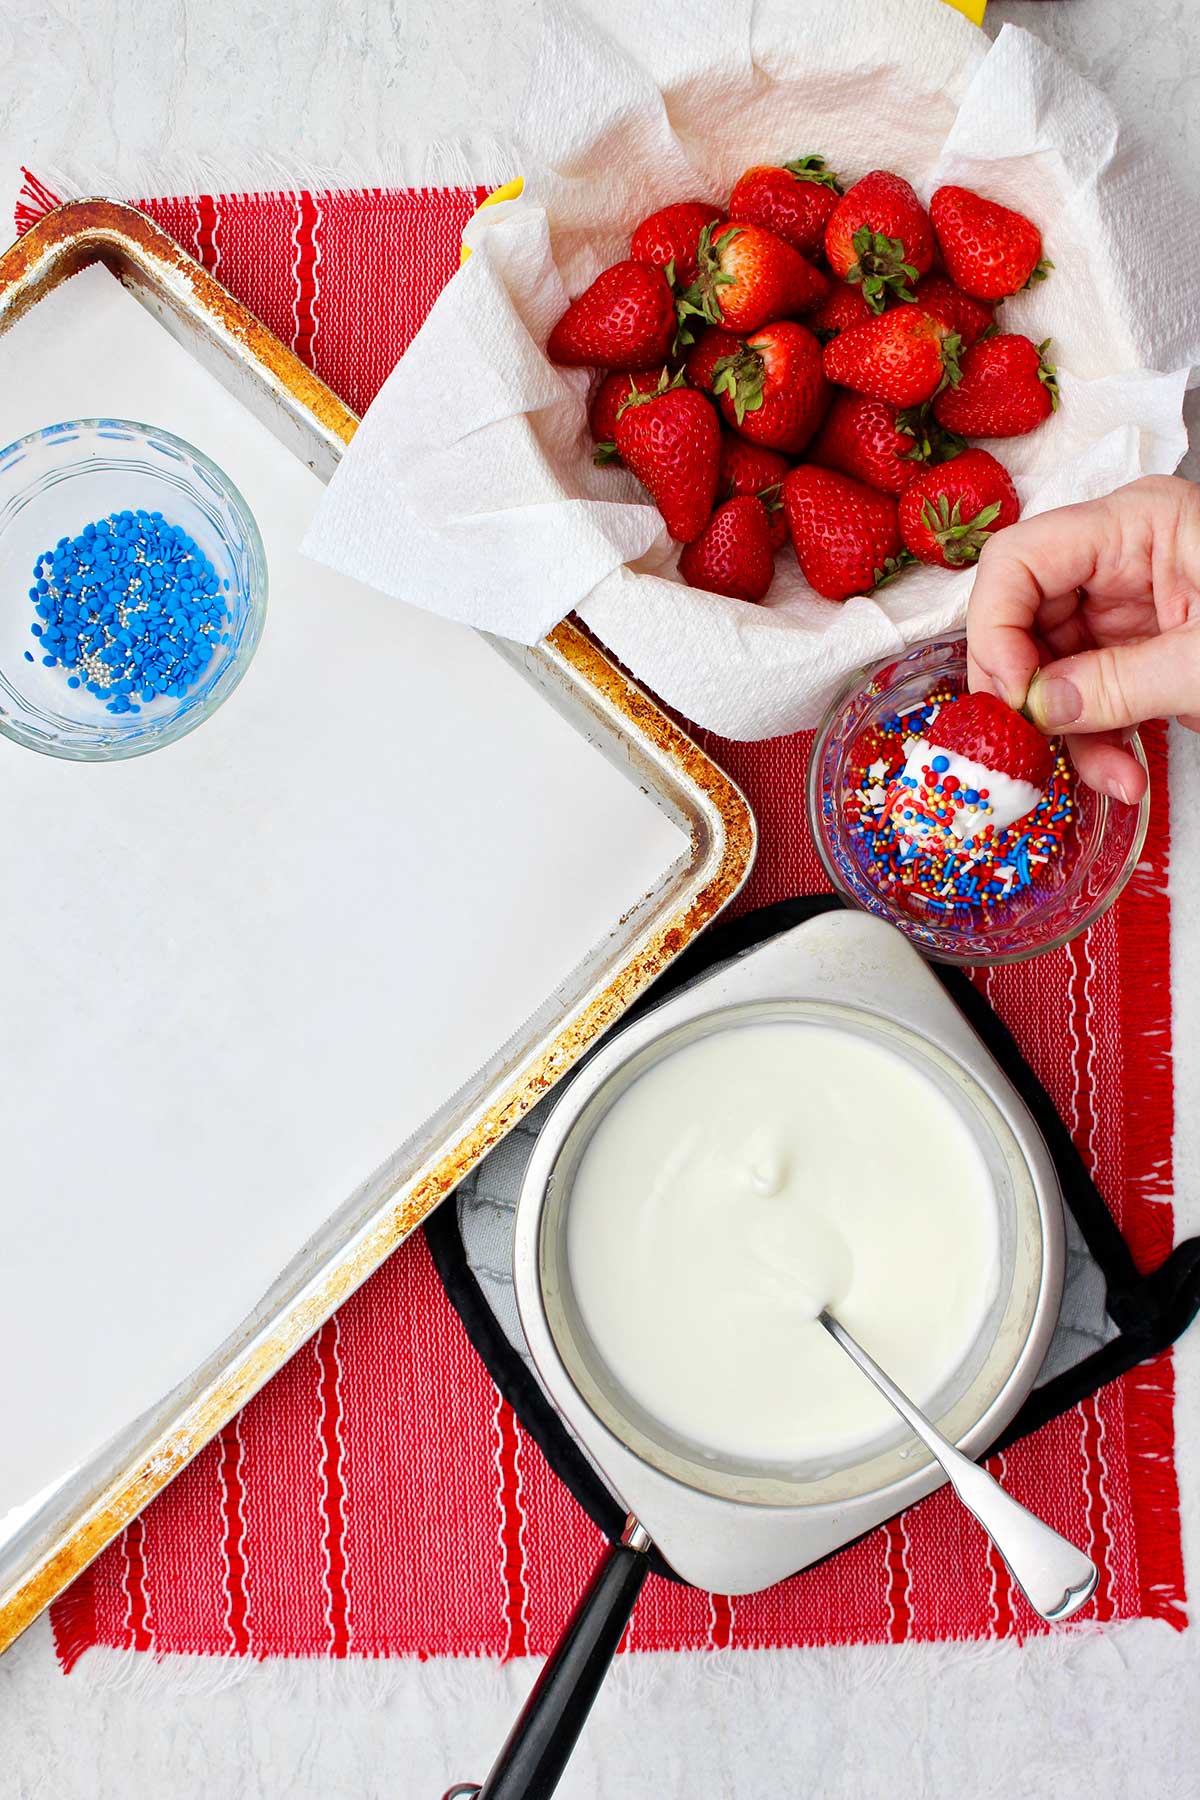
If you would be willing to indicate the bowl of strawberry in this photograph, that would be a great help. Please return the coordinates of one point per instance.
(800, 374)
(954, 818)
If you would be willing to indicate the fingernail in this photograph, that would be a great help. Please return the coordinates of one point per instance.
(1054, 701)
(1123, 794)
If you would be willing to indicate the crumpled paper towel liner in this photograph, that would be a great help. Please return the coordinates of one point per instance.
(470, 488)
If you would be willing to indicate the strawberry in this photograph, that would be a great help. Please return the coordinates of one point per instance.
(947, 514)
(903, 356)
(733, 554)
(879, 236)
(1007, 388)
(986, 731)
(607, 402)
(745, 469)
(625, 320)
(704, 355)
(669, 238)
(874, 442)
(671, 440)
(960, 313)
(846, 535)
(773, 389)
(845, 306)
(747, 276)
(794, 200)
(988, 250)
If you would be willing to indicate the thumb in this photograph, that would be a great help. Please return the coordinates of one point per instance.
(1120, 685)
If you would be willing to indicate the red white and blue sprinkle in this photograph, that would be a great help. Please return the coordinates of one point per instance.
(131, 608)
(902, 825)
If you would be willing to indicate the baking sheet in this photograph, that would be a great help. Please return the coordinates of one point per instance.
(238, 972)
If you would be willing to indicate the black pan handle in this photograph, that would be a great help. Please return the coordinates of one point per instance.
(539, 1746)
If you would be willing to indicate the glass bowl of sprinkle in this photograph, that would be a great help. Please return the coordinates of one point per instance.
(134, 589)
(896, 844)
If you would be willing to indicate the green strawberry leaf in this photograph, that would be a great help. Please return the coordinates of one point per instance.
(881, 268)
(1039, 272)
(604, 454)
(813, 168)
(961, 540)
(772, 497)
(741, 376)
(1048, 374)
(669, 273)
(895, 565)
(951, 351)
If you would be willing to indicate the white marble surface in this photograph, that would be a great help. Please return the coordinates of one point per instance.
(360, 87)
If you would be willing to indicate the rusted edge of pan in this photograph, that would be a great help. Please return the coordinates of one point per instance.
(65, 241)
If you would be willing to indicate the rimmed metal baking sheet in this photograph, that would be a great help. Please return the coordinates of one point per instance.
(574, 676)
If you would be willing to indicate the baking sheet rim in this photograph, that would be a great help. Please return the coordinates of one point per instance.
(37, 261)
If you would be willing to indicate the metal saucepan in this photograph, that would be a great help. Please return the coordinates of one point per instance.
(726, 1525)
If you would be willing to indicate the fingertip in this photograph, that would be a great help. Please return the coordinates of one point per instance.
(1109, 768)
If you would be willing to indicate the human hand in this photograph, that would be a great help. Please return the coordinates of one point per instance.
(1089, 617)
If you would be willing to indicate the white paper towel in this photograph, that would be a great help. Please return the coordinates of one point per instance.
(470, 487)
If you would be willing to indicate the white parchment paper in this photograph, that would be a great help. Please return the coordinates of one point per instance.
(237, 973)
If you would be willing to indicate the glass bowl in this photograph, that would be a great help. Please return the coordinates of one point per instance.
(52, 484)
(1072, 892)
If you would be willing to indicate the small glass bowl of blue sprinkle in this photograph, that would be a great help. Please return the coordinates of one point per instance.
(134, 589)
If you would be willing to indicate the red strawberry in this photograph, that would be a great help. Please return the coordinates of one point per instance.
(879, 235)
(669, 237)
(773, 389)
(671, 440)
(625, 320)
(746, 469)
(704, 355)
(793, 200)
(988, 251)
(747, 276)
(1007, 388)
(873, 441)
(961, 313)
(947, 514)
(903, 356)
(733, 553)
(846, 535)
(845, 306)
(607, 402)
(986, 731)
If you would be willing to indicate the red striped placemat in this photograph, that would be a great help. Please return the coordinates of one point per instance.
(378, 1497)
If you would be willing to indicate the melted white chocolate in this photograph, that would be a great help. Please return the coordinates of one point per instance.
(745, 1182)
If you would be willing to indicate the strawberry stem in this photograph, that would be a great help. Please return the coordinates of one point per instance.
(960, 540)
(1048, 374)
(951, 350)
(881, 269)
(740, 376)
(813, 168)
(895, 565)
(701, 300)
(666, 382)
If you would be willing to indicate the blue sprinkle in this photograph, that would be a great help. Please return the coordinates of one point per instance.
(72, 681)
(940, 764)
(29, 656)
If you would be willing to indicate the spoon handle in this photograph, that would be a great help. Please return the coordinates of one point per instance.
(1055, 1577)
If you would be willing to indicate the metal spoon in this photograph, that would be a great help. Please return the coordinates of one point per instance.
(1055, 1577)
